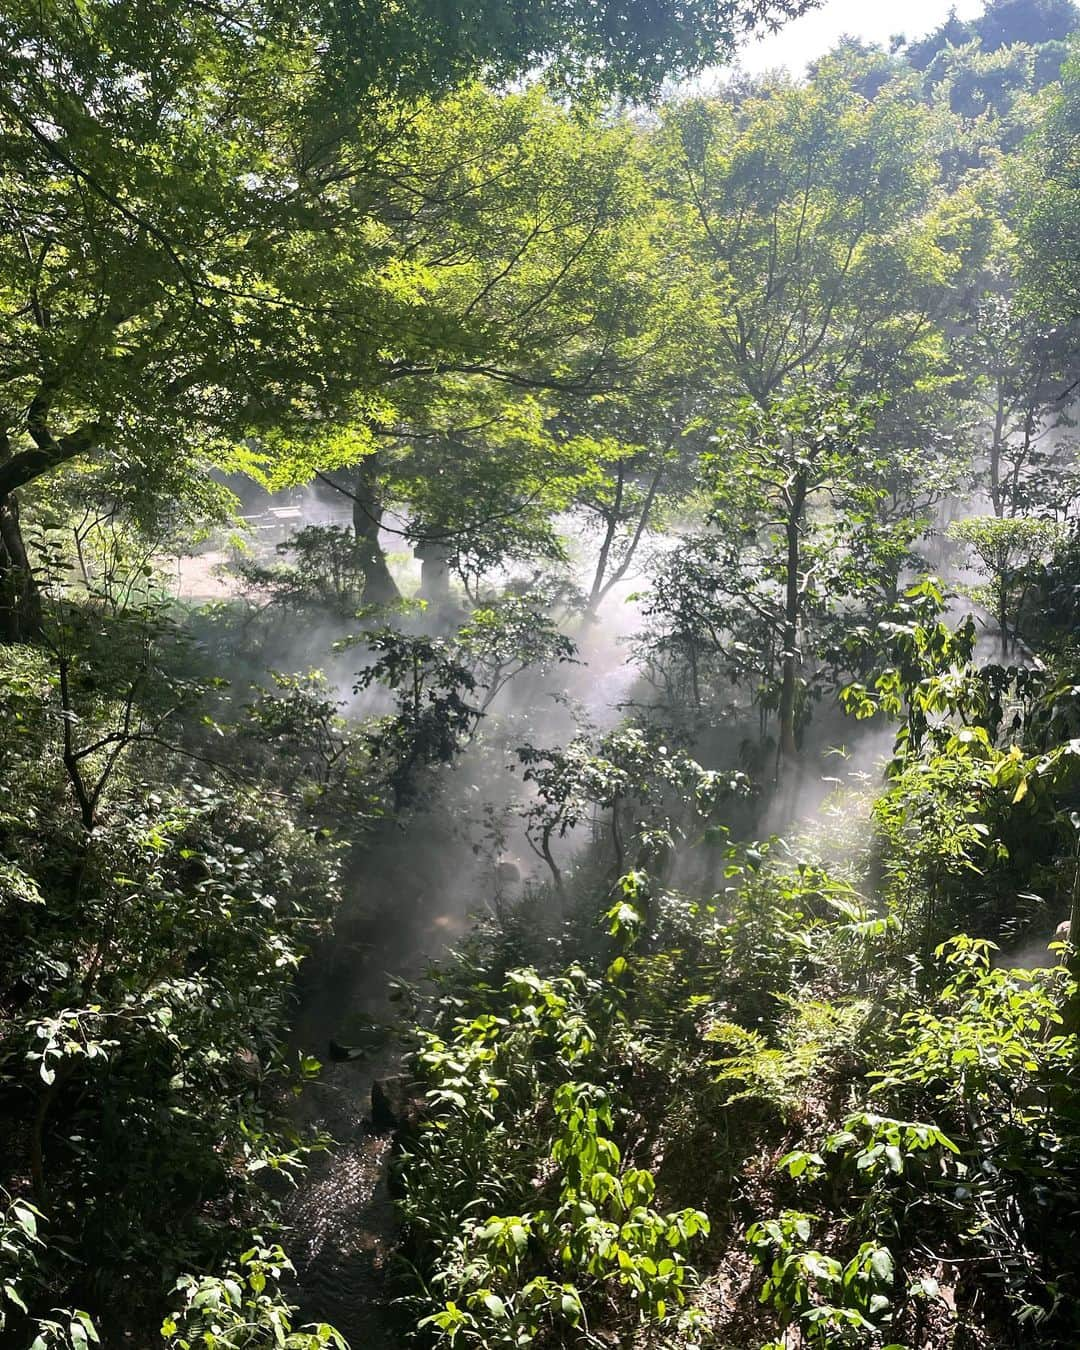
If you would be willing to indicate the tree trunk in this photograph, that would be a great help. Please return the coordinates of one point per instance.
(996, 445)
(611, 525)
(1003, 620)
(602, 582)
(379, 586)
(792, 602)
(20, 598)
(553, 866)
(1071, 1011)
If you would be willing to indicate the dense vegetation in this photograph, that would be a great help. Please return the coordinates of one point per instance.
(427, 433)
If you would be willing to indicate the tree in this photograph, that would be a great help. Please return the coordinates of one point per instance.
(1004, 23)
(1005, 551)
(542, 219)
(771, 471)
(824, 261)
(619, 502)
(954, 32)
(432, 42)
(443, 687)
(1020, 369)
(1048, 189)
(170, 283)
(649, 789)
(808, 214)
(209, 237)
(473, 481)
(702, 646)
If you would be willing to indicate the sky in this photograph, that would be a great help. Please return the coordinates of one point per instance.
(872, 20)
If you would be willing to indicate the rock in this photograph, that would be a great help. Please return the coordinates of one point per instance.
(395, 1104)
(341, 1052)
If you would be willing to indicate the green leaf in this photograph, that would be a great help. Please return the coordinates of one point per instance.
(26, 1219)
(881, 1263)
(12, 1295)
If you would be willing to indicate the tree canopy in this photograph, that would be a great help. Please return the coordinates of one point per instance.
(539, 681)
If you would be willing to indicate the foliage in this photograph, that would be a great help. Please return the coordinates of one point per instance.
(989, 1058)
(1003, 23)
(777, 565)
(1007, 551)
(627, 771)
(736, 1062)
(325, 571)
(1047, 181)
(241, 1309)
(21, 1243)
(428, 41)
(804, 211)
(443, 687)
(559, 1235)
(148, 959)
(835, 1304)
(1019, 366)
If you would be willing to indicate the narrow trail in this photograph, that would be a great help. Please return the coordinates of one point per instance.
(408, 900)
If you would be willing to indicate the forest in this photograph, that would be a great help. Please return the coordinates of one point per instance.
(539, 678)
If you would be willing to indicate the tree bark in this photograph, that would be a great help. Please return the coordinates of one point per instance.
(996, 444)
(379, 586)
(1071, 957)
(792, 604)
(1003, 619)
(20, 598)
(611, 525)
